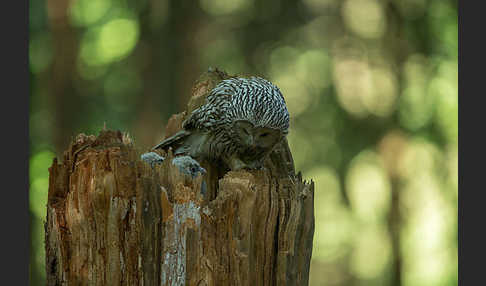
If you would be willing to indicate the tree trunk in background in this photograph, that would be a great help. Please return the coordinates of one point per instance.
(62, 71)
(394, 223)
(113, 220)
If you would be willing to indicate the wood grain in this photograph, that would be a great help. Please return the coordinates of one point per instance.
(113, 220)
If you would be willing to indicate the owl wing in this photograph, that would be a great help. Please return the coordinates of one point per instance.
(211, 114)
(172, 139)
(207, 117)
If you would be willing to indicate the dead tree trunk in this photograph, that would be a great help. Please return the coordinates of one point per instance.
(114, 220)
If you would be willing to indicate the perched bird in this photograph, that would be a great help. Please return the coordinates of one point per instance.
(188, 166)
(240, 122)
(152, 158)
(185, 164)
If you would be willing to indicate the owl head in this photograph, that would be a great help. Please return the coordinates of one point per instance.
(255, 100)
(258, 139)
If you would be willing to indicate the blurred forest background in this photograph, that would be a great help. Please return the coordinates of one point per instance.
(371, 86)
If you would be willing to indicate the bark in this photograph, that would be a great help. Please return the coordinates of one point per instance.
(114, 220)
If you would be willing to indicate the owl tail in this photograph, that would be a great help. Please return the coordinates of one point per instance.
(174, 139)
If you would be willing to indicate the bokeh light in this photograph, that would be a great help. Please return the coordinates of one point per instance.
(366, 18)
(372, 252)
(222, 7)
(368, 187)
(40, 52)
(371, 87)
(87, 12)
(109, 42)
(333, 220)
(38, 171)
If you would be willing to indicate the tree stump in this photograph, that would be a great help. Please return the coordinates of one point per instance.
(112, 219)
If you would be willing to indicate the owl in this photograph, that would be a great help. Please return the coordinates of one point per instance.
(240, 122)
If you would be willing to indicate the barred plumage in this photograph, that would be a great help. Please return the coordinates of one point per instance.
(240, 122)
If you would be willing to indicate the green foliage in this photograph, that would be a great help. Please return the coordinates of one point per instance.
(371, 87)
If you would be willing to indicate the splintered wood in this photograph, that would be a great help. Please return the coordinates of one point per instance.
(113, 220)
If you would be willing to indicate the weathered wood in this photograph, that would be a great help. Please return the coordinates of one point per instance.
(113, 220)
